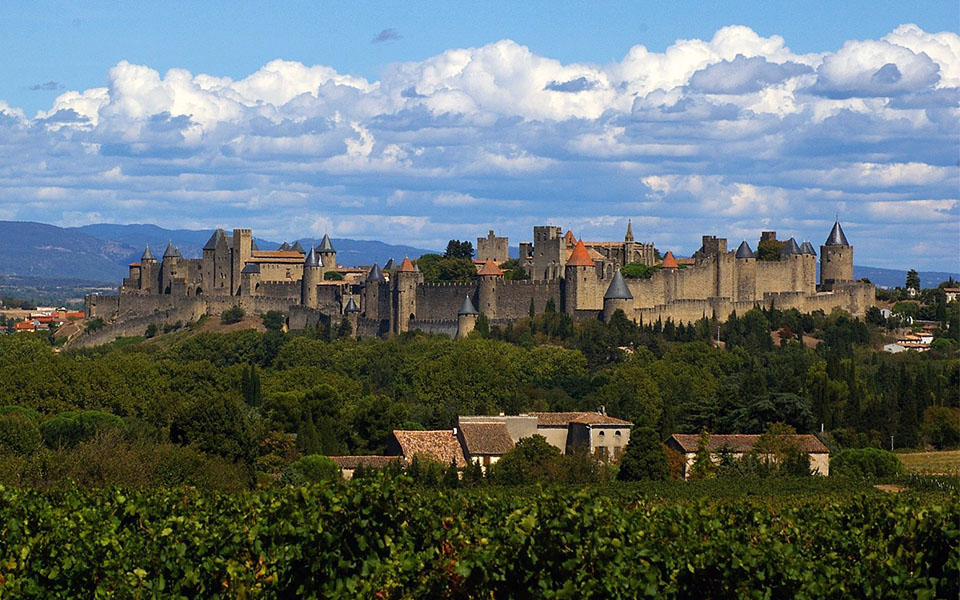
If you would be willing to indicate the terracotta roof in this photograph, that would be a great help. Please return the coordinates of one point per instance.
(744, 442)
(486, 438)
(25, 326)
(489, 268)
(278, 254)
(669, 262)
(594, 255)
(376, 462)
(562, 419)
(406, 266)
(439, 445)
(569, 239)
(580, 257)
(136, 264)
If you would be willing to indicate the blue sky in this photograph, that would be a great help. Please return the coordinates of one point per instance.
(419, 122)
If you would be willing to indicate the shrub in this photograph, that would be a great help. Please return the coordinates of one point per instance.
(314, 468)
(333, 276)
(67, 429)
(941, 426)
(19, 433)
(232, 315)
(532, 460)
(869, 463)
(273, 320)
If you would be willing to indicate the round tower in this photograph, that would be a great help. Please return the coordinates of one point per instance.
(490, 276)
(466, 318)
(371, 292)
(746, 262)
(792, 256)
(149, 272)
(579, 280)
(405, 295)
(836, 259)
(328, 256)
(351, 313)
(312, 276)
(618, 297)
(169, 268)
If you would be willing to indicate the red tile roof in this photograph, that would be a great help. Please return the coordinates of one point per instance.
(743, 442)
(439, 445)
(580, 257)
(492, 439)
(568, 239)
(489, 268)
(562, 419)
(669, 262)
(406, 266)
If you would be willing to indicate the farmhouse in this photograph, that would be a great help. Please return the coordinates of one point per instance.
(740, 444)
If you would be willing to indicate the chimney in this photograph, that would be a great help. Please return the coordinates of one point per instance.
(603, 410)
(501, 413)
(454, 432)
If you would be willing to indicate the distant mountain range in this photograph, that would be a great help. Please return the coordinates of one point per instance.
(101, 252)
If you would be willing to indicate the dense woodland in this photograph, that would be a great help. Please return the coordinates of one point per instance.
(238, 406)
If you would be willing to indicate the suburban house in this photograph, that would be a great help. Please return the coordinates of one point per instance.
(740, 444)
(484, 439)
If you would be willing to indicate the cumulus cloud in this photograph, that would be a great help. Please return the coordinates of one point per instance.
(726, 136)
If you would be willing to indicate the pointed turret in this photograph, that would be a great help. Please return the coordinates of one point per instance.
(147, 255)
(467, 307)
(283, 247)
(375, 275)
(489, 268)
(253, 246)
(296, 246)
(836, 237)
(171, 251)
(744, 251)
(214, 238)
(406, 266)
(618, 289)
(807, 248)
(351, 306)
(390, 266)
(311, 260)
(580, 257)
(325, 245)
(790, 248)
(669, 262)
(629, 236)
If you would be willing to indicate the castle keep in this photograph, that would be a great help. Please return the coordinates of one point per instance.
(581, 278)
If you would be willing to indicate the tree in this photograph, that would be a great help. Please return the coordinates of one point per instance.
(644, 458)
(913, 280)
(250, 385)
(875, 317)
(232, 315)
(151, 330)
(941, 427)
(273, 320)
(439, 269)
(531, 460)
(637, 270)
(456, 249)
(451, 476)
(769, 249)
(703, 466)
(216, 425)
(315, 468)
(513, 270)
(333, 276)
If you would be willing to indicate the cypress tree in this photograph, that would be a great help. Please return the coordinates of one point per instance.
(644, 458)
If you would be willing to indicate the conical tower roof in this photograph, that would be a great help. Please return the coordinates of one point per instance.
(669, 262)
(467, 307)
(791, 248)
(171, 251)
(390, 266)
(406, 266)
(569, 238)
(283, 247)
(375, 274)
(489, 268)
(326, 245)
(253, 245)
(618, 289)
(296, 246)
(214, 238)
(580, 257)
(836, 237)
(351, 306)
(744, 251)
(147, 255)
(311, 260)
(807, 248)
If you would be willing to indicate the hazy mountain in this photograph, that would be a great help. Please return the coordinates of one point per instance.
(894, 277)
(101, 252)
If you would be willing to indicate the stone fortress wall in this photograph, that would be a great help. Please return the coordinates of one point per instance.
(582, 279)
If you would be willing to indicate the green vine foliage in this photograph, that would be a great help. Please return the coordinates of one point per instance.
(381, 537)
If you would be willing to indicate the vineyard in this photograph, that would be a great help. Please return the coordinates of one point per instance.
(382, 538)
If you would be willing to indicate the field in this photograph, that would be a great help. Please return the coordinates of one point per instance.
(945, 462)
(387, 538)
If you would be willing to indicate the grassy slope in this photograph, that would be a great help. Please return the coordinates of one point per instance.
(944, 462)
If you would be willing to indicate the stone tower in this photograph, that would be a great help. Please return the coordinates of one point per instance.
(250, 279)
(169, 269)
(327, 254)
(312, 276)
(836, 259)
(407, 279)
(547, 252)
(490, 277)
(149, 272)
(580, 280)
(492, 247)
(371, 293)
(352, 313)
(618, 297)
(466, 318)
(242, 252)
(792, 255)
(629, 245)
(746, 262)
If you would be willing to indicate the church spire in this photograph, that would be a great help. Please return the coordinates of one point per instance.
(629, 236)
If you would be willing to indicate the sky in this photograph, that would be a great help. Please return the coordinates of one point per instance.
(420, 122)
